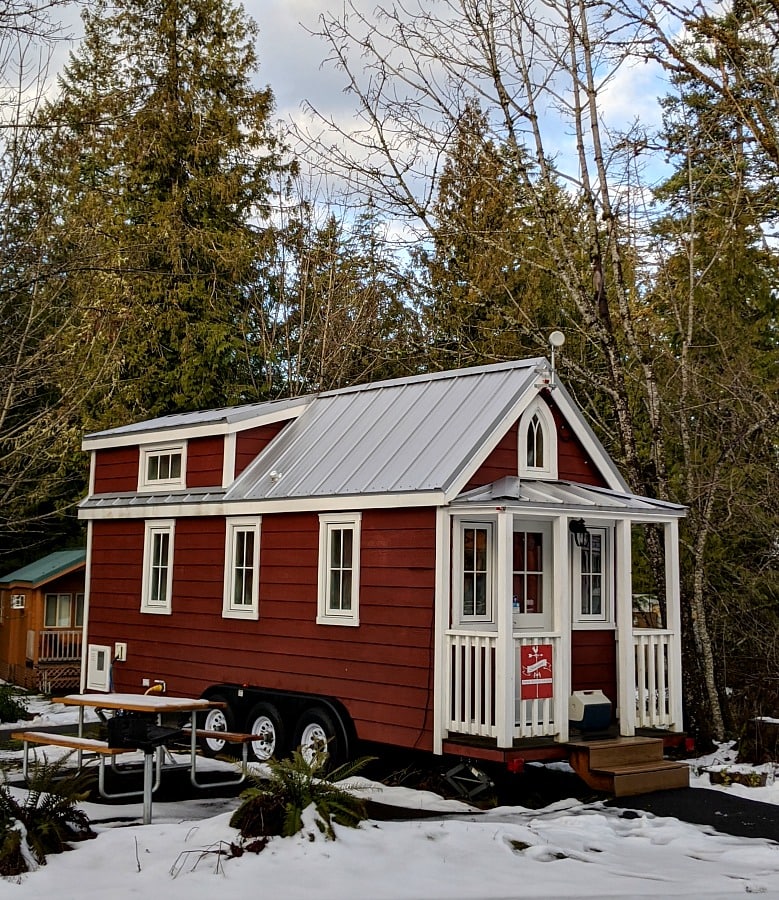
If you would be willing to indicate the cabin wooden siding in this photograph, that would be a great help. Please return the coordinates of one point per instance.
(250, 443)
(594, 662)
(116, 470)
(573, 461)
(382, 670)
(204, 461)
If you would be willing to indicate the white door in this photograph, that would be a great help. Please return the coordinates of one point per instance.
(532, 575)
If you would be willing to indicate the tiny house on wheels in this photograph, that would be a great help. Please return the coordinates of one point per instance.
(441, 562)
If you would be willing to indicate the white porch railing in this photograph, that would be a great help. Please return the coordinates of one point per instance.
(536, 718)
(653, 694)
(470, 684)
(59, 645)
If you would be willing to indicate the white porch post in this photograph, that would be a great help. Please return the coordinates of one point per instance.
(562, 623)
(505, 664)
(673, 623)
(441, 673)
(626, 657)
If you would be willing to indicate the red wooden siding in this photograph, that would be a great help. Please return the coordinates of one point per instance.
(116, 470)
(594, 663)
(573, 462)
(204, 461)
(250, 443)
(382, 671)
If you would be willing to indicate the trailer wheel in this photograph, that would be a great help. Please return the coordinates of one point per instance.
(264, 720)
(216, 720)
(316, 731)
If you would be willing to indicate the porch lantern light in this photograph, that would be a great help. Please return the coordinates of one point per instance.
(579, 531)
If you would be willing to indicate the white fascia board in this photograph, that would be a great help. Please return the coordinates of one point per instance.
(589, 440)
(492, 441)
(266, 507)
(188, 432)
(537, 511)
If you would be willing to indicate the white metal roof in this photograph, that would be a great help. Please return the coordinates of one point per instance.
(229, 418)
(409, 435)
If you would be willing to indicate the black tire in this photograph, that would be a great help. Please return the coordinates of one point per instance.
(264, 719)
(317, 729)
(217, 719)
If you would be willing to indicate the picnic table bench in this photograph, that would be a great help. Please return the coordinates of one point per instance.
(99, 748)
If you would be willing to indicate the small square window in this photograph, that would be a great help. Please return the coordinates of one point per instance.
(162, 467)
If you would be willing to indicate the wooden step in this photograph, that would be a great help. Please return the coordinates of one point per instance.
(621, 751)
(647, 777)
(627, 766)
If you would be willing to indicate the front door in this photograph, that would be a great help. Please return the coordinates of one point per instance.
(532, 576)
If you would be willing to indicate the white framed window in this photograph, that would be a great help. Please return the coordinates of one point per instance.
(98, 667)
(537, 442)
(591, 582)
(17, 601)
(56, 611)
(531, 574)
(162, 466)
(78, 613)
(473, 564)
(158, 567)
(339, 569)
(242, 568)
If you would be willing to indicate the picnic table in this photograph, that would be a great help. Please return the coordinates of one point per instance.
(152, 742)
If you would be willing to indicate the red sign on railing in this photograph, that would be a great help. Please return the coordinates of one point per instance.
(535, 667)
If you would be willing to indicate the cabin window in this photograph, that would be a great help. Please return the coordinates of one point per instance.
(56, 612)
(339, 569)
(591, 581)
(242, 564)
(157, 567)
(162, 467)
(78, 616)
(537, 442)
(476, 572)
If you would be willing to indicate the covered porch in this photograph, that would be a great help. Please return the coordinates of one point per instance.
(531, 571)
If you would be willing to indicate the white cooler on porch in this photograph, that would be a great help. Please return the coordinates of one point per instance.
(589, 711)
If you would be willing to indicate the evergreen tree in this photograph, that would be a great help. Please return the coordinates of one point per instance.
(490, 291)
(163, 155)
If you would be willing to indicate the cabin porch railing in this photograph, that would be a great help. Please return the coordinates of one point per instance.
(59, 645)
(470, 684)
(654, 689)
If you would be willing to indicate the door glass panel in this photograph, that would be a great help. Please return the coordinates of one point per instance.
(528, 579)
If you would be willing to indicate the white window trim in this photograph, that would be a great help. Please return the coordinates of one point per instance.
(457, 572)
(147, 485)
(157, 526)
(604, 620)
(549, 431)
(325, 615)
(229, 609)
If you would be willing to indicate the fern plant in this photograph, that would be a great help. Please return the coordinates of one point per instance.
(274, 805)
(48, 818)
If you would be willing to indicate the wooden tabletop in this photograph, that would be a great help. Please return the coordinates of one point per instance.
(151, 703)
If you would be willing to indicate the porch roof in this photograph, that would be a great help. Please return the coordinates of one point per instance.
(565, 496)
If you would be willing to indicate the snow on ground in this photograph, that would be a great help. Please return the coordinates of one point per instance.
(567, 850)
